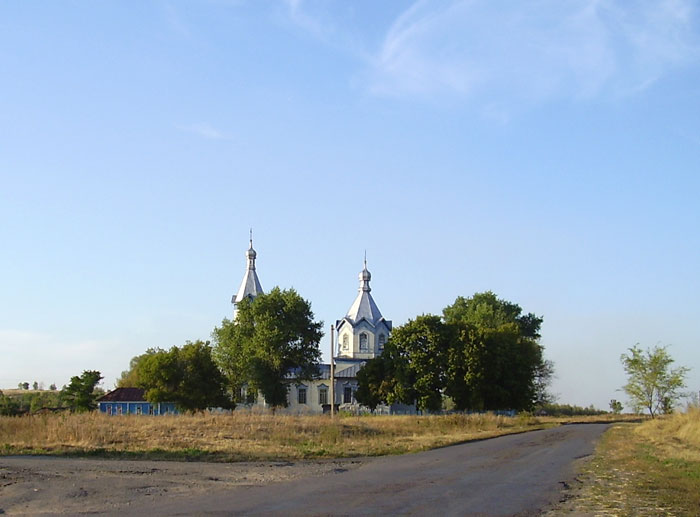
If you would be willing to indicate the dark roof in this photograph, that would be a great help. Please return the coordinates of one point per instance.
(124, 395)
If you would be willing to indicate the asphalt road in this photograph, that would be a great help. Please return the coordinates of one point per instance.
(520, 475)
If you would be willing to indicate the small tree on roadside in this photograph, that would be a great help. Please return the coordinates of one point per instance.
(616, 406)
(652, 384)
(80, 395)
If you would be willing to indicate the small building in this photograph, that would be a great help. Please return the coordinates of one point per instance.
(132, 401)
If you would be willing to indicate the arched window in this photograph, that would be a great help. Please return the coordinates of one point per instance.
(364, 339)
(382, 340)
(323, 394)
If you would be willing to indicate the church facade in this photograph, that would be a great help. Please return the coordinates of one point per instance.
(362, 334)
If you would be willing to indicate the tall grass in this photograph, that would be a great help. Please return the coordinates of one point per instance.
(676, 436)
(646, 469)
(247, 435)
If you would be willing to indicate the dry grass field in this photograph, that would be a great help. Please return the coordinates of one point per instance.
(247, 436)
(646, 469)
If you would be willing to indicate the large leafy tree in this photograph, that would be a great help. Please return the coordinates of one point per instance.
(130, 378)
(419, 351)
(187, 376)
(484, 354)
(652, 384)
(274, 340)
(411, 369)
(81, 393)
(376, 381)
(496, 361)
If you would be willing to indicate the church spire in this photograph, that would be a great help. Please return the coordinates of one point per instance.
(251, 254)
(365, 277)
(363, 331)
(250, 286)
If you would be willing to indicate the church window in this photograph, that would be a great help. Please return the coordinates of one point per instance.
(363, 342)
(323, 395)
(382, 340)
(347, 395)
(301, 395)
(346, 342)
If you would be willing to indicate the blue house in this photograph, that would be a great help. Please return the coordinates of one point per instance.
(131, 401)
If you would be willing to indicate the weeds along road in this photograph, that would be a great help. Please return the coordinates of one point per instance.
(512, 475)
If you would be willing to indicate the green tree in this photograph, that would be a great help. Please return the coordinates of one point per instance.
(418, 352)
(186, 376)
(9, 406)
(273, 341)
(652, 384)
(495, 361)
(375, 382)
(80, 394)
(616, 406)
(543, 378)
(483, 355)
(130, 378)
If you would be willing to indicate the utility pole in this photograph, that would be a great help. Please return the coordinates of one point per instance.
(332, 374)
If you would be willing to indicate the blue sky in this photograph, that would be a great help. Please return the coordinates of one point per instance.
(547, 151)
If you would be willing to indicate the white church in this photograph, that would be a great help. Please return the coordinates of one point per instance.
(362, 333)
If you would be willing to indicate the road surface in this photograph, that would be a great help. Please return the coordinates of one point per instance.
(520, 475)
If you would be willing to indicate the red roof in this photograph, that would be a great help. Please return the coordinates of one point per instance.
(124, 395)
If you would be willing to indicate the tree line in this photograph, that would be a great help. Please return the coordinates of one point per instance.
(483, 353)
(273, 341)
(78, 395)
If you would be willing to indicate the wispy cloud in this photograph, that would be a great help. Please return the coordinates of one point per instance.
(205, 130)
(300, 17)
(498, 51)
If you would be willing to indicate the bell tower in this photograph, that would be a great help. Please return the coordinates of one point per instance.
(250, 286)
(363, 331)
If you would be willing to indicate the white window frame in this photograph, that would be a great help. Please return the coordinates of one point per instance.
(302, 390)
(364, 347)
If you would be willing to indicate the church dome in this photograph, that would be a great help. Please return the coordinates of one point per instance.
(365, 275)
(251, 254)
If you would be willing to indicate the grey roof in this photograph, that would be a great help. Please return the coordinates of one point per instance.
(364, 307)
(350, 372)
(343, 370)
(250, 286)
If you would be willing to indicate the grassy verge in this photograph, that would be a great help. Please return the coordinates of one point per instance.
(647, 469)
(248, 436)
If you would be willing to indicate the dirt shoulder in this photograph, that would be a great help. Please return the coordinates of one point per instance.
(35, 485)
